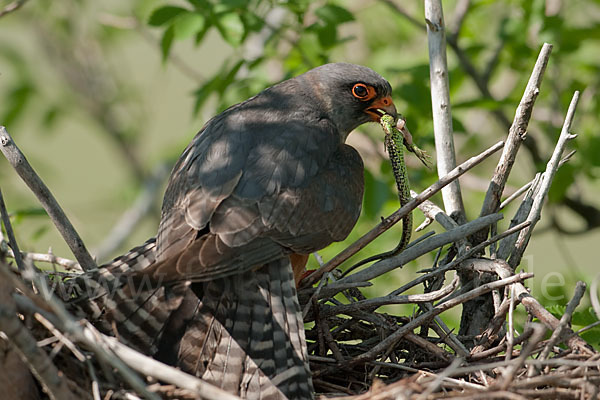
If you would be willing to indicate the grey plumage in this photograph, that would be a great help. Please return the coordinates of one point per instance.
(266, 178)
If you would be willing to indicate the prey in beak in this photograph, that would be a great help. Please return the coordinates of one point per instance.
(380, 106)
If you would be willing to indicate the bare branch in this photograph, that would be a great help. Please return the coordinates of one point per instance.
(12, 7)
(11, 235)
(516, 134)
(18, 161)
(565, 320)
(547, 177)
(383, 266)
(440, 102)
(38, 361)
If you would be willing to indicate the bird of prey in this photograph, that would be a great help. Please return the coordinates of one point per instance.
(261, 186)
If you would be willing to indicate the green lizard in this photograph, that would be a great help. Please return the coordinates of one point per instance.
(397, 136)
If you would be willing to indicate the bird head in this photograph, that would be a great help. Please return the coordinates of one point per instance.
(350, 95)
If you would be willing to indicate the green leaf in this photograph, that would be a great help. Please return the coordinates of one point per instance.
(187, 25)
(167, 41)
(333, 14)
(217, 84)
(19, 97)
(165, 14)
(231, 27)
(327, 35)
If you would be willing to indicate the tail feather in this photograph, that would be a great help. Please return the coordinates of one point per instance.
(138, 313)
(247, 337)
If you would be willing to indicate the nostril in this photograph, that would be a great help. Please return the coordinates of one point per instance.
(386, 102)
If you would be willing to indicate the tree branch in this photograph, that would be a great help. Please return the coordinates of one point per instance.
(18, 161)
(440, 102)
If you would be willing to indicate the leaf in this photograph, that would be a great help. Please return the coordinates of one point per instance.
(327, 35)
(187, 25)
(167, 41)
(19, 97)
(231, 27)
(165, 14)
(333, 14)
(217, 84)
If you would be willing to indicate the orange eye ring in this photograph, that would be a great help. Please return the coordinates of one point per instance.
(363, 92)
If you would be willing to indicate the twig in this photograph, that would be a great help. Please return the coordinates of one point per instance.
(440, 102)
(453, 264)
(547, 177)
(565, 320)
(11, 7)
(87, 336)
(38, 361)
(516, 194)
(422, 248)
(460, 12)
(397, 335)
(18, 161)
(433, 386)
(11, 235)
(509, 373)
(508, 244)
(533, 306)
(516, 134)
(390, 299)
(121, 357)
(510, 332)
(399, 214)
(48, 258)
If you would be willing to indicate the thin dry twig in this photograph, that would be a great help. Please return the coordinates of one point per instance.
(18, 161)
(516, 134)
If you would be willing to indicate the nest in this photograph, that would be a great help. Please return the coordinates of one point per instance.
(355, 351)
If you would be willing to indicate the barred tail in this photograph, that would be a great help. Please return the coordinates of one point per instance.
(138, 313)
(246, 335)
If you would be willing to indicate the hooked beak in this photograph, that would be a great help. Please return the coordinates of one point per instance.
(382, 104)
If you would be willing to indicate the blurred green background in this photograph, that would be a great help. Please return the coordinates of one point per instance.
(102, 97)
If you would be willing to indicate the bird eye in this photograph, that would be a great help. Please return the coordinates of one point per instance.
(360, 91)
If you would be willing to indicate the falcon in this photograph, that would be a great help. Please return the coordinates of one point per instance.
(260, 187)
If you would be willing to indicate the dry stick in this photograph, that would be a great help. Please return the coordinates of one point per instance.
(418, 321)
(565, 320)
(385, 300)
(12, 7)
(509, 373)
(440, 103)
(437, 382)
(388, 222)
(48, 258)
(100, 343)
(516, 194)
(18, 161)
(547, 177)
(11, 235)
(516, 134)
(533, 306)
(458, 260)
(508, 244)
(383, 266)
(37, 360)
(72, 327)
